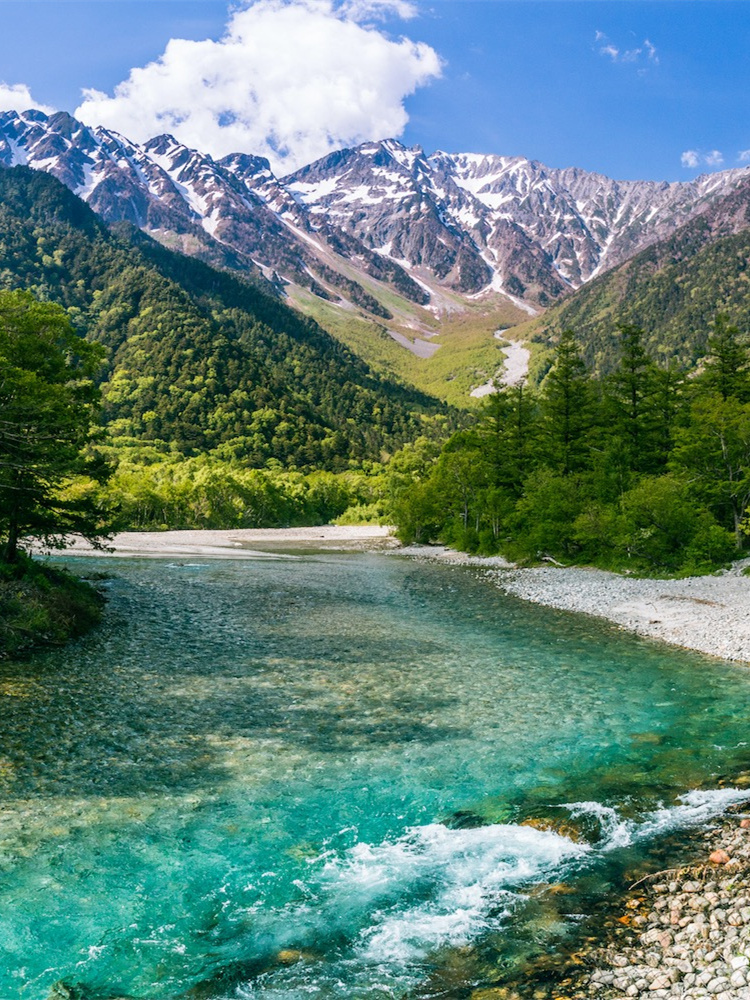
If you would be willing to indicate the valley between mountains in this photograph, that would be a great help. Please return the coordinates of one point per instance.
(288, 761)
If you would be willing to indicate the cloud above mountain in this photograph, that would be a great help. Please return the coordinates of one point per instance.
(290, 80)
(693, 158)
(18, 97)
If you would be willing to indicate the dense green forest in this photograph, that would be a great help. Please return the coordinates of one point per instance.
(198, 360)
(143, 389)
(671, 290)
(149, 491)
(643, 469)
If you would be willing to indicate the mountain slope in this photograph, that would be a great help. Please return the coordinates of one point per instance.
(231, 213)
(198, 358)
(673, 289)
(362, 224)
(411, 260)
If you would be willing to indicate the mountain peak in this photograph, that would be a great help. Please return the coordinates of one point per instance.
(470, 222)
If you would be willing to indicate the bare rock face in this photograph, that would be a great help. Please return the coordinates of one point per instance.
(391, 199)
(416, 222)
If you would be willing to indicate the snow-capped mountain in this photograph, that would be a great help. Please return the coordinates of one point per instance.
(359, 220)
(475, 219)
(232, 213)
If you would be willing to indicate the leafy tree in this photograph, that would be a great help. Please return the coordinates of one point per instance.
(411, 497)
(546, 514)
(48, 403)
(662, 524)
(714, 451)
(459, 479)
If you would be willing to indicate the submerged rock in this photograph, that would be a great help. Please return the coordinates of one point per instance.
(76, 991)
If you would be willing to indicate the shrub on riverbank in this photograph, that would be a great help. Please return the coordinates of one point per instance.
(41, 605)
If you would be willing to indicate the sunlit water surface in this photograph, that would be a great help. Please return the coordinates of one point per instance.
(305, 777)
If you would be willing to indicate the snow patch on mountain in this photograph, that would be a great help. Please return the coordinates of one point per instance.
(467, 223)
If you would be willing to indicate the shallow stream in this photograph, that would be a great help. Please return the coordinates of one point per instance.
(306, 777)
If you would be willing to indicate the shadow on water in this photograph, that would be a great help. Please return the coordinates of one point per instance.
(136, 707)
(123, 732)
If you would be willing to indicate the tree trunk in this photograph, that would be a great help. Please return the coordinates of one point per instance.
(11, 546)
(739, 538)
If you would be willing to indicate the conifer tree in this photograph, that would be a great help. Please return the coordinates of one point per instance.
(727, 370)
(631, 389)
(568, 407)
(509, 429)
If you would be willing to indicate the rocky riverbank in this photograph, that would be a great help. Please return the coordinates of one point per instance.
(682, 933)
(691, 929)
(710, 614)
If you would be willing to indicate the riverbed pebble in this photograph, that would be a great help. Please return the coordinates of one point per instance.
(705, 953)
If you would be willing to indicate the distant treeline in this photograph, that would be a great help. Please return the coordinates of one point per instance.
(149, 491)
(645, 468)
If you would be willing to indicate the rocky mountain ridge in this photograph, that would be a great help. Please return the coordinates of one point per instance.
(363, 224)
(672, 289)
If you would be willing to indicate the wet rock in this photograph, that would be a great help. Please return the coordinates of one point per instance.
(465, 819)
(62, 990)
(491, 993)
(559, 825)
(719, 857)
(290, 956)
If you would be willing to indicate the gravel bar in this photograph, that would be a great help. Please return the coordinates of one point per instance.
(710, 614)
(690, 930)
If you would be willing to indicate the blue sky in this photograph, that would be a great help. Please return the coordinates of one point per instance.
(650, 89)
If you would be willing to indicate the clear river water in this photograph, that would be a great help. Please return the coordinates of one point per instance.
(309, 776)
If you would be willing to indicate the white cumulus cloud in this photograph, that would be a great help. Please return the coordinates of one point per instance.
(690, 158)
(17, 97)
(744, 155)
(693, 158)
(290, 80)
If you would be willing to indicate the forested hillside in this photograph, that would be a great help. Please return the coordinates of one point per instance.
(643, 469)
(197, 358)
(672, 290)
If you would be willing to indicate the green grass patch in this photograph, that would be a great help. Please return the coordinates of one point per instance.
(469, 354)
(43, 606)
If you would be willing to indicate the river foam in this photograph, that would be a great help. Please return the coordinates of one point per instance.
(436, 886)
(463, 879)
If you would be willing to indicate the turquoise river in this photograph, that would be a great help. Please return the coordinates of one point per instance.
(307, 777)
